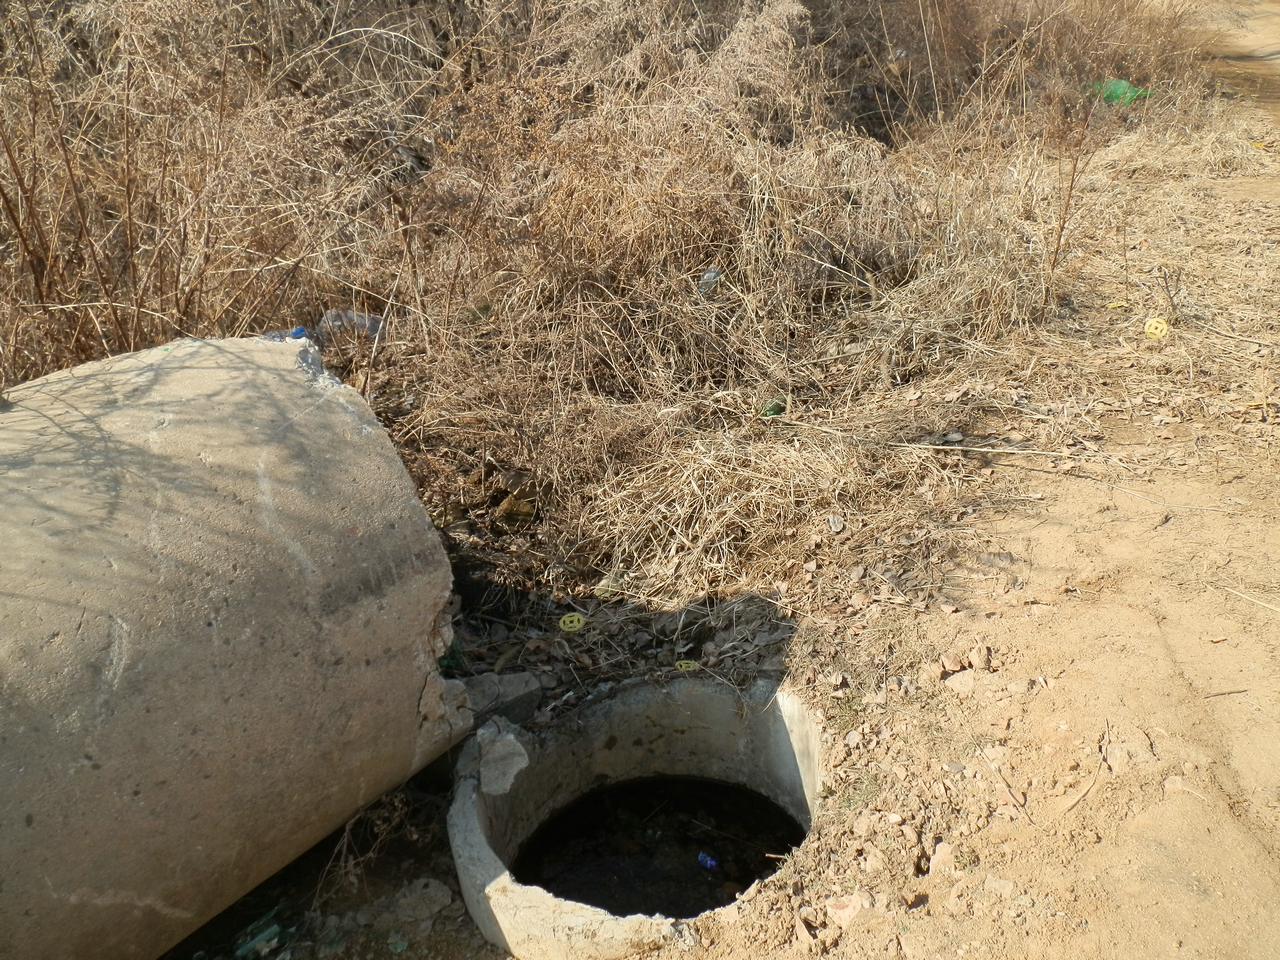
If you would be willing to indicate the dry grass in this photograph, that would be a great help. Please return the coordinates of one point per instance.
(533, 194)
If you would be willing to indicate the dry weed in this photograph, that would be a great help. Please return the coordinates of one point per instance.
(606, 236)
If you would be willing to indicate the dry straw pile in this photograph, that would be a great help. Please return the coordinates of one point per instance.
(607, 235)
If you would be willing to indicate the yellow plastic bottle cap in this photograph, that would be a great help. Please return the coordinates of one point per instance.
(572, 622)
(687, 665)
(1155, 328)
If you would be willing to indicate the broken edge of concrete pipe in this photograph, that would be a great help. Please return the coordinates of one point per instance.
(220, 622)
(510, 782)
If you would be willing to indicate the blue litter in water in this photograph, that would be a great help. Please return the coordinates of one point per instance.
(708, 862)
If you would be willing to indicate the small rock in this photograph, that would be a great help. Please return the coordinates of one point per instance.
(943, 860)
(955, 904)
(1015, 797)
(955, 766)
(803, 936)
(875, 860)
(930, 673)
(842, 910)
(421, 899)
(1178, 785)
(980, 658)
(895, 819)
(502, 755)
(1021, 686)
(961, 683)
(1004, 889)
(909, 834)
(952, 663)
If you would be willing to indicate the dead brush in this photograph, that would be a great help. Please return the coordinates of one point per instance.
(534, 195)
(389, 819)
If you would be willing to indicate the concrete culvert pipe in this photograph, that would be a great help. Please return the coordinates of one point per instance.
(220, 617)
(510, 782)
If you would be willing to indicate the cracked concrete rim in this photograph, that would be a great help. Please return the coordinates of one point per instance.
(509, 782)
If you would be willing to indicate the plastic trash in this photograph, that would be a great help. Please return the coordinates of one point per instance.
(349, 321)
(1155, 328)
(775, 407)
(333, 322)
(1119, 91)
(835, 523)
(707, 861)
(609, 586)
(709, 281)
(572, 622)
(279, 336)
(264, 936)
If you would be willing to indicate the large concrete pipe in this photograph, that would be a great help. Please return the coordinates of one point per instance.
(220, 616)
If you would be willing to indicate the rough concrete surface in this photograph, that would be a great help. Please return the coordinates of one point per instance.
(220, 616)
(509, 783)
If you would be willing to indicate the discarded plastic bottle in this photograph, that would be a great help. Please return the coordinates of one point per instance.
(774, 408)
(349, 321)
(279, 336)
(1119, 91)
(709, 281)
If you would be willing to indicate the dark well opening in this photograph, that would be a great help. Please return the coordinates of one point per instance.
(675, 846)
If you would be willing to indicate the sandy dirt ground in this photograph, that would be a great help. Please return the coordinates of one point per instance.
(1112, 788)
(1249, 56)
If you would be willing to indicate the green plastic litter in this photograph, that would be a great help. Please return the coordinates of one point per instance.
(452, 659)
(267, 940)
(397, 943)
(774, 407)
(1119, 91)
(265, 935)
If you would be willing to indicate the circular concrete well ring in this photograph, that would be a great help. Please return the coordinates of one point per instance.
(509, 782)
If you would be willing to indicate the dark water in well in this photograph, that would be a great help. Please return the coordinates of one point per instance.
(675, 846)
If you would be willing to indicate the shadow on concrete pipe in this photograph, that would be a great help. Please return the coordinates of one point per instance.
(220, 619)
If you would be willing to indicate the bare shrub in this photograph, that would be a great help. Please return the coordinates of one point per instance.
(603, 234)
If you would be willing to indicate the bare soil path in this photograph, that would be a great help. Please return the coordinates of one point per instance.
(1249, 57)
